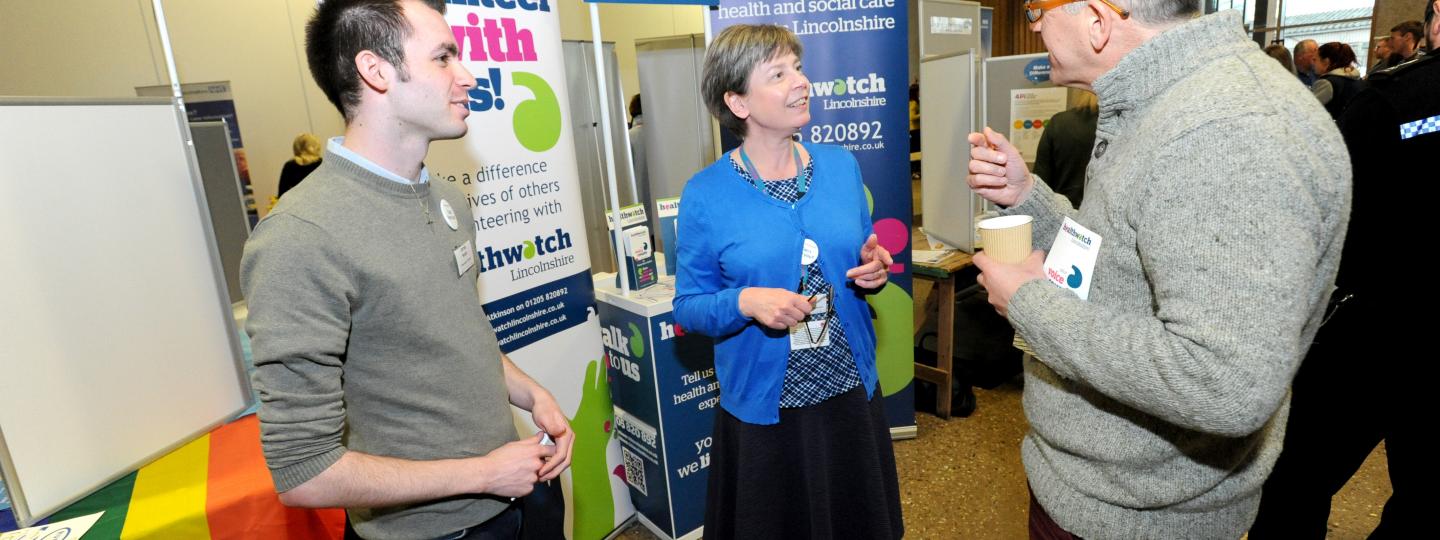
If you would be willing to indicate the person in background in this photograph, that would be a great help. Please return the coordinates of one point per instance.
(1280, 54)
(637, 145)
(1405, 41)
(307, 158)
(1361, 382)
(1156, 407)
(776, 255)
(1305, 53)
(1065, 146)
(914, 129)
(1382, 55)
(382, 387)
(1340, 80)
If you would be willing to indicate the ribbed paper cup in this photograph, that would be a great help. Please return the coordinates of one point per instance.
(1006, 238)
(1019, 343)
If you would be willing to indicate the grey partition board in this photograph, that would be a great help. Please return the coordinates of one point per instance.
(677, 130)
(947, 110)
(999, 76)
(223, 196)
(580, 76)
(119, 343)
(948, 27)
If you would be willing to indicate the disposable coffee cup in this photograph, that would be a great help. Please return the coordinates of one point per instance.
(1006, 238)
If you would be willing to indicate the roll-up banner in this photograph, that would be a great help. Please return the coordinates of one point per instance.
(517, 166)
(856, 59)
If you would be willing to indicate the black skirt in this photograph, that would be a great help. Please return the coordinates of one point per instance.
(824, 471)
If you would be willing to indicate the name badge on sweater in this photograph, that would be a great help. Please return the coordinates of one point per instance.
(464, 257)
(1072, 258)
(809, 253)
(449, 213)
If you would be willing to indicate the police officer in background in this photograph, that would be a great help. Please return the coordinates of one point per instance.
(1361, 382)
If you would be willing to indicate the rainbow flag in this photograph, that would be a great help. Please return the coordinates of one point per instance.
(215, 487)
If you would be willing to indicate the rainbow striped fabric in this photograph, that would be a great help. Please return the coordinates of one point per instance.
(215, 487)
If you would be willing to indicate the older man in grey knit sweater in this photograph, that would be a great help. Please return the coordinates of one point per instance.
(1221, 190)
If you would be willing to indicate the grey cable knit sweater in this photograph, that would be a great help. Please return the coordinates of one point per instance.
(1222, 191)
(366, 337)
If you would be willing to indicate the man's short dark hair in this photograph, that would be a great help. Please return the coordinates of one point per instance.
(1414, 28)
(340, 29)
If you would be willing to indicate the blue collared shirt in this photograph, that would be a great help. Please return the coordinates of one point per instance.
(336, 146)
(1308, 78)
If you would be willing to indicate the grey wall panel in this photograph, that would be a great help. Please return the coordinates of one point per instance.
(1000, 76)
(223, 196)
(678, 131)
(580, 75)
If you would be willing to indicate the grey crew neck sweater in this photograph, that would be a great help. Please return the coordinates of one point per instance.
(366, 337)
(1221, 191)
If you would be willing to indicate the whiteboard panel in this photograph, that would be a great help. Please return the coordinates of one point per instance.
(947, 116)
(118, 340)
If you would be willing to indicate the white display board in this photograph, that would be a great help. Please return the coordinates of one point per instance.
(118, 341)
(948, 205)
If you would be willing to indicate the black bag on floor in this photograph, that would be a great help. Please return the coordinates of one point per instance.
(962, 395)
(984, 352)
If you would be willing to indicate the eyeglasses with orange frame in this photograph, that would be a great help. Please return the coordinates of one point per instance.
(1037, 8)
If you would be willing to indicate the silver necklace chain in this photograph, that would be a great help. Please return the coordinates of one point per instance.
(424, 207)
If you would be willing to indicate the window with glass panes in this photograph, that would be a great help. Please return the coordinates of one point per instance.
(1292, 21)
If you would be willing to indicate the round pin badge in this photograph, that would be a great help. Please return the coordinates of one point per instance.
(449, 213)
(810, 253)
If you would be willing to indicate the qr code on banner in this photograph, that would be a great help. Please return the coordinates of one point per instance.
(634, 470)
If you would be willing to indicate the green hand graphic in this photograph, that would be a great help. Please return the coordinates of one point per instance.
(536, 121)
(594, 515)
(637, 341)
(894, 353)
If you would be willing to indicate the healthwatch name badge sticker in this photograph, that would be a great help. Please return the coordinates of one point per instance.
(1071, 260)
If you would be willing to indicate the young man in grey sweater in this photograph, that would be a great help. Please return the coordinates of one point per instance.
(382, 387)
(1221, 193)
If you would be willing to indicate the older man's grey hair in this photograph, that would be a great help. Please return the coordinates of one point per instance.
(1300, 46)
(729, 60)
(1160, 12)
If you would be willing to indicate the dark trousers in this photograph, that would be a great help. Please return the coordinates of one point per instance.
(1043, 527)
(504, 526)
(1359, 384)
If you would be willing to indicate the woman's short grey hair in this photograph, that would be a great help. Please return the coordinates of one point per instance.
(731, 57)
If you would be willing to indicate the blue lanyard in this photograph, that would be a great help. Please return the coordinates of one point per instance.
(802, 180)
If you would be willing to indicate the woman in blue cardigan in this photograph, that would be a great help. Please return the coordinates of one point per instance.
(775, 255)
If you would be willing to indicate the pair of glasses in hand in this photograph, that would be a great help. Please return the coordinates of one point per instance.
(825, 321)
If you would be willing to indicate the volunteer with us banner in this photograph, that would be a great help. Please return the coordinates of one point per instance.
(776, 253)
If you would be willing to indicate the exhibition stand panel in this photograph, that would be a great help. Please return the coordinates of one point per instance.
(225, 197)
(662, 383)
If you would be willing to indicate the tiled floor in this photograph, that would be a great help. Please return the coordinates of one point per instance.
(962, 478)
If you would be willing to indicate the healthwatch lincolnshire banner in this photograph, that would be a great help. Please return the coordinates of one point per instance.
(856, 58)
(517, 167)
